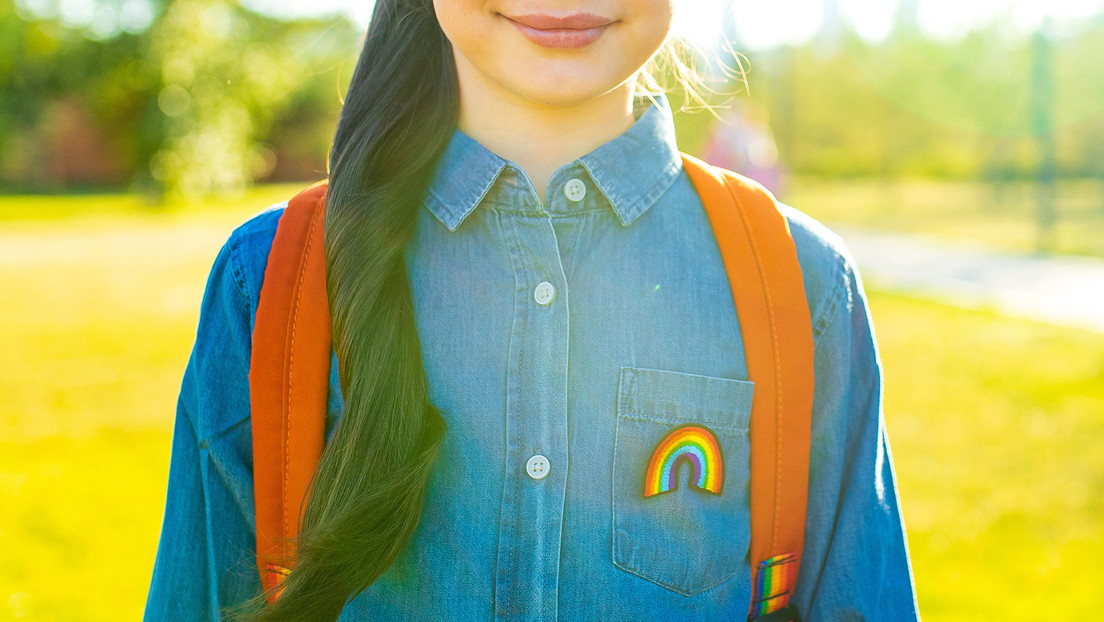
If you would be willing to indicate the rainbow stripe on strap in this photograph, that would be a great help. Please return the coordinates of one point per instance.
(276, 576)
(692, 443)
(774, 585)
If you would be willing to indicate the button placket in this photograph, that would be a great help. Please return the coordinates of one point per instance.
(527, 566)
(537, 467)
(544, 293)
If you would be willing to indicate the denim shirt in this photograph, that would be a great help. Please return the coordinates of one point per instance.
(561, 339)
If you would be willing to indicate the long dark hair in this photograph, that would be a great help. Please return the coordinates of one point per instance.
(399, 112)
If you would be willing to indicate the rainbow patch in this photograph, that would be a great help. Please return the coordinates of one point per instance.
(691, 443)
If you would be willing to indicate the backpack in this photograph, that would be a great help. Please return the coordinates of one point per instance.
(290, 370)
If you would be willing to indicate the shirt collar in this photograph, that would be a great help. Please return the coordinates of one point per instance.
(631, 172)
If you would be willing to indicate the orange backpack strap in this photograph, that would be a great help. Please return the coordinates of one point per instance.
(769, 292)
(767, 288)
(289, 376)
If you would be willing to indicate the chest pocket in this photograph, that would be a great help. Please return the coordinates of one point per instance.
(680, 500)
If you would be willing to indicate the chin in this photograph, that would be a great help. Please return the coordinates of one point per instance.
(561, 98)
(560, 88)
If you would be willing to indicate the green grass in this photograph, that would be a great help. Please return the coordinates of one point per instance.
(35, 209)
(994, 424)
(99, 308)
(966, 211)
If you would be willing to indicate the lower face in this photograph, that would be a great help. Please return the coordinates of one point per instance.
(556, 53)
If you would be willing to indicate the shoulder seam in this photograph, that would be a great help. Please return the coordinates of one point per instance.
(841, 293)
(239, 276)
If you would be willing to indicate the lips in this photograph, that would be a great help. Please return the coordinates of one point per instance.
(569, 31)
(578, 21)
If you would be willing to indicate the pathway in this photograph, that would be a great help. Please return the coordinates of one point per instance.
(1060, 289)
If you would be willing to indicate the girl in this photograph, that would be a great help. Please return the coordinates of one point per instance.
(516, 255)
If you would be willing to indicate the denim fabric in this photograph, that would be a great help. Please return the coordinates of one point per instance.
(640, 336)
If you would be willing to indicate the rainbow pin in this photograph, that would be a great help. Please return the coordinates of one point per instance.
(692, 443)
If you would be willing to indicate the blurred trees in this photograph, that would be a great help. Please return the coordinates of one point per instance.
(193, 96)
(911, 106)
(49, 74)
(227, 74)
(188, 105)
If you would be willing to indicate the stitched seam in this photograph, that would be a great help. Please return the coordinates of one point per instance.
(625, 383)
(506, 228)
(831, 301)
(648, 197)
(291, 363)
(225, 431)
(240, 285)
(679, 589)
(504, 209)
(457, 217)
(646, 418)
(777, 368)
(236, 273)
(832, 313)
(841, 300)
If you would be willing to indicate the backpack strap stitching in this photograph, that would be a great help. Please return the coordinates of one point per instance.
(771, 316)
(288, 528)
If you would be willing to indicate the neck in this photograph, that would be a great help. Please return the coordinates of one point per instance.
(536, 136)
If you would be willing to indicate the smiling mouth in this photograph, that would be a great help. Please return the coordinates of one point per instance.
(571, 31)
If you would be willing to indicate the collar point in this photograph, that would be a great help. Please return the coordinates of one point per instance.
(447, 217)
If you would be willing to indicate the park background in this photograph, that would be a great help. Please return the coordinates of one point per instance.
(136, 134)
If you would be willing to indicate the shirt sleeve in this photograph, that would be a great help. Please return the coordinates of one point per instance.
(205, 559)
(856, 562)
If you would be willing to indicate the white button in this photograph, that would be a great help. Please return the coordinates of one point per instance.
(574, 190)
(537, 467)
(544, 293)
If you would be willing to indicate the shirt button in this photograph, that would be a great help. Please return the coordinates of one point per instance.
(544, 293)
(537, 467)
(574, 190)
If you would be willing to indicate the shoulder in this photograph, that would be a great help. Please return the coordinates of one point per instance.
(260, 227)
(826, 265)
(215, 388)
(827, 269)
(248, 246)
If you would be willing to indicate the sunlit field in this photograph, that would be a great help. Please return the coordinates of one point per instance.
(995, 423)
(986, 214)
